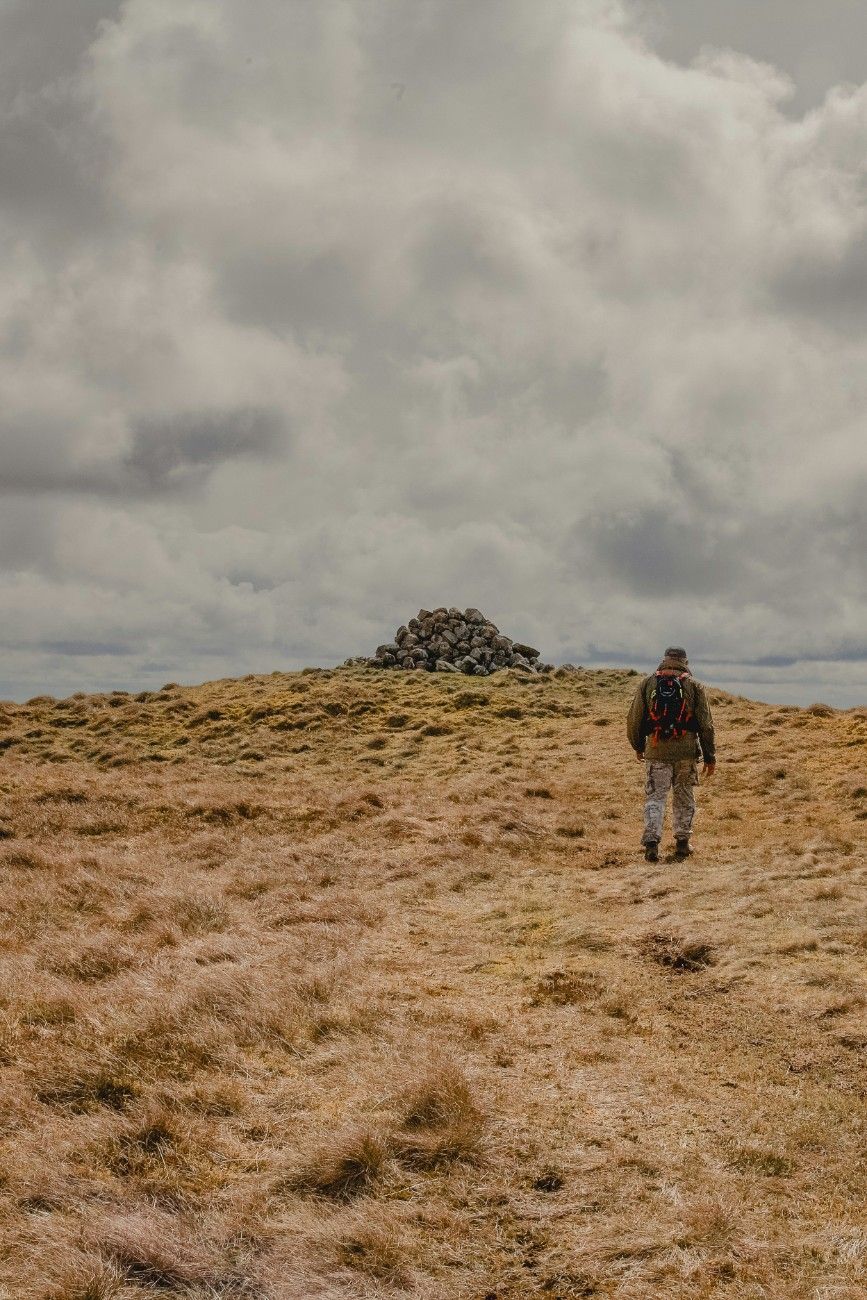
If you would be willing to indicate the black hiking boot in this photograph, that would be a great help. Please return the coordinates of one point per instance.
(681, 849)
(651, 851)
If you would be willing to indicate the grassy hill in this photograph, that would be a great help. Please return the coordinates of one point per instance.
(355, 984)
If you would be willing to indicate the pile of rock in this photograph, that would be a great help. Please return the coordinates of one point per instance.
(455, 641)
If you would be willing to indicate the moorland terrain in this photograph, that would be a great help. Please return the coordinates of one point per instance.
(356, 984)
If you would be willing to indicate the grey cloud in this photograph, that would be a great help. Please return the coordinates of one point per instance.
(457, 252)
(28, 537)
(85, 649)
(657, 549)
(828, 286)
(271, 288)
(818, 45)
(37, 455)
(182, 448)
(857, 654)
(165, 453)
(44, 42)
(54, 160)
(572, 394)
(43, 181)
(799, 563)
(562, 331)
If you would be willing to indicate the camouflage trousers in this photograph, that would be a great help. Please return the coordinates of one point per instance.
(680, 778)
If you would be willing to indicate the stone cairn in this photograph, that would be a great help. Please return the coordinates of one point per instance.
(455, 641)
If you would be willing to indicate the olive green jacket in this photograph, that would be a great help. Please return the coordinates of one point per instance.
(688, 745)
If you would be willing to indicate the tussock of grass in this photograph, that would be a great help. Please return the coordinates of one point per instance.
(370, 1251)
(92, 963)
(442, 1122)
(676, 954)
(561, 988)
(90, 1278)
(343, 1168)
(152, 1250)
(81, 1092)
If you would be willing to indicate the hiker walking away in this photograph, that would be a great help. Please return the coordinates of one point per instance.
(670, 727)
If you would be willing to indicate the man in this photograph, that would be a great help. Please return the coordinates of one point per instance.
(670, 727)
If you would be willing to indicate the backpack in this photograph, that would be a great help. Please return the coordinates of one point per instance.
(669, 713)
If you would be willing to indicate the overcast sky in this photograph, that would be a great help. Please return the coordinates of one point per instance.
(312, 313)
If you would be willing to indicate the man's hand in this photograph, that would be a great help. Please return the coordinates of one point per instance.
(708, 769)
(640, 757)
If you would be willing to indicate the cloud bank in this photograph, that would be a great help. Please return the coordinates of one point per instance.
(316, 313)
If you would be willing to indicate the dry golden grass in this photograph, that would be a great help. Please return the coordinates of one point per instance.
(345, 984)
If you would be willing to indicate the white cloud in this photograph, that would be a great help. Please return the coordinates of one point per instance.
(318, 313)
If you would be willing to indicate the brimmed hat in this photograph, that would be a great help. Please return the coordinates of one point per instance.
(676, 652)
